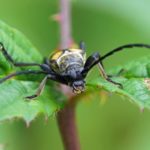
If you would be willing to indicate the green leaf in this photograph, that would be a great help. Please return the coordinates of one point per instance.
(13, 102)
(13, 92)
(135, 80)
(18, 46)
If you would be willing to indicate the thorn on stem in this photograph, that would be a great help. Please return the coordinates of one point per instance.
(103, 96)
(56, 17)
(46, 119)
(28, 124)
(142, 109)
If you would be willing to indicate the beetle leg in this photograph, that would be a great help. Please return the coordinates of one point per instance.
(46, 61)
(103, 73)
(57, 78)
(82, 45)
(121, 71)
(42, 85)
(10, 59)
(91, 62)
(39, 90)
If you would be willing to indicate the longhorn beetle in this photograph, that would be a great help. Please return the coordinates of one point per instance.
(67, 66)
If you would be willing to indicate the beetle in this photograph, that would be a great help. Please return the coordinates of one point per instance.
(68, 66)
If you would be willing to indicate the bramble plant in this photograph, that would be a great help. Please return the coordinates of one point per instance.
(134, 78)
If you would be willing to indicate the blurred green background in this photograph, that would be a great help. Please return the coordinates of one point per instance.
(103, 25)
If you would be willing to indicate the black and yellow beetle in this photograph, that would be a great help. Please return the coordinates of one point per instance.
(68, 66)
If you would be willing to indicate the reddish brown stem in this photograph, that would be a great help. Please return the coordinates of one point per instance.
(67, 126)
(66, 118)
(65, 24)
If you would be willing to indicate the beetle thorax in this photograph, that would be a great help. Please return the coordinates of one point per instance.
(68, 61)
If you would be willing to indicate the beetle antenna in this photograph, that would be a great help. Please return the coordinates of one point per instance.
(122, 47)
(21, 73)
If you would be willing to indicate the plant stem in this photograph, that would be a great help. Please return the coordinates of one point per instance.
(65, 24)
(66, 118)
(67, 126)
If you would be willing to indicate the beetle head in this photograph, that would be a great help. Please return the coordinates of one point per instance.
(78, 86)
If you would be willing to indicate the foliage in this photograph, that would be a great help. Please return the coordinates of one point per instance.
(103, 25)
(134, 78)
(13, 92)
